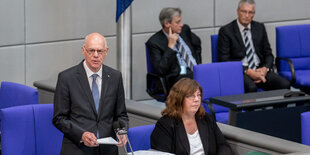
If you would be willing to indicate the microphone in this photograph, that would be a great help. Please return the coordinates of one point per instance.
(123, 128)
(116, 126)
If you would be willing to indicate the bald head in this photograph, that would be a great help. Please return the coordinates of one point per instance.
(95, 50)
(95, 38)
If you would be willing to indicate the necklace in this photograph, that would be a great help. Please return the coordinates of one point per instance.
(192, 130)
(189, 124)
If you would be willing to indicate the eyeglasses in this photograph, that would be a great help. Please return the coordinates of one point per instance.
(247, 12)
(192, 97)
(92, 51)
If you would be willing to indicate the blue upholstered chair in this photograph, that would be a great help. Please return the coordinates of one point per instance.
(140, 137)
(48, 137)
(220, 79)
(14, 94)
(293, 54)
(305, 128)
(28, 129)
(214, 39)
(151, 77)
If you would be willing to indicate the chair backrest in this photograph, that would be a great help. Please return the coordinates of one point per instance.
(17, 131)
(14, 94)
(305, 128)
(214, 39)
(48, 138)
(28, 129)
(151, 78)
(293, 42)
(139, 137)
(220, 79)
(149, 65)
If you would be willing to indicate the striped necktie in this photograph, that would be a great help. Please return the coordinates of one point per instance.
(249, 49)
(188, 59)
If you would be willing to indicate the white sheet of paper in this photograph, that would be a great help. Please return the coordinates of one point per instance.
(149, 152)
(107, 140)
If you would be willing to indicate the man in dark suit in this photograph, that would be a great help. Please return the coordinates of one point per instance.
(89, 97)
(246, 40)
(174, 49)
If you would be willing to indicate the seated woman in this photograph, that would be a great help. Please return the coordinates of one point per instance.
(185, 128)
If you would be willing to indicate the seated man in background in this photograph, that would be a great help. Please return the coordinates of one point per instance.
(246, 40)
(174, 49)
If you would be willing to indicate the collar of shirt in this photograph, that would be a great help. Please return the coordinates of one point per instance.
(166, 34)
(89, 73)
(241, 27)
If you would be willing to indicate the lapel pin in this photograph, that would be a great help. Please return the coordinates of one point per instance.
(108, 76)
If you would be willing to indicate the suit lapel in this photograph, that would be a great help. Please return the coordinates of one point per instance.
(180, 129)
(254, 33)
(238, 35)
(104, 87)
(203, 132)
(83, 79)
(163, 40)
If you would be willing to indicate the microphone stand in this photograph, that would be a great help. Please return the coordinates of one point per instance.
(124, 132)
(129, 145)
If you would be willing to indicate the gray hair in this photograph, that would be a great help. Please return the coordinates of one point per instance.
(251, 2)
(167, 14)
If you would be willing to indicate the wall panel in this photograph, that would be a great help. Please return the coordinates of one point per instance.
(48, 20)
(12, 64)
(45, 61)
(204, 35)
(12, 22)
(196, 13)
(139, 67)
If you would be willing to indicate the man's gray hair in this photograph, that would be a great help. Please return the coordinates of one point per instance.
(251, 2)
(167, 14)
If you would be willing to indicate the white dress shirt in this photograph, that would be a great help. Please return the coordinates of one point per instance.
(89, 74)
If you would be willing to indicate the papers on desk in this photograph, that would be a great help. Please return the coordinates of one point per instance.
(150, 152)
(107, 140)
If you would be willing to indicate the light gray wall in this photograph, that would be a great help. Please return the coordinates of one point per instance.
(39, 38)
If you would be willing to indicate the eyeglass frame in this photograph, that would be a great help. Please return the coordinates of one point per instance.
(247, 12)
(99, 52)
(193, 96)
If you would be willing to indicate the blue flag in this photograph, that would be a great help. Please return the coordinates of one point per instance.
(121, 6)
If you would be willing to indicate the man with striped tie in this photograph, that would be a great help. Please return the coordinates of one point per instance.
(246, 40)
(174, 49)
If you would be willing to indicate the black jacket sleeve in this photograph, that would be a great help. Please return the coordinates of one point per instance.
(162, 137)
(222, 147)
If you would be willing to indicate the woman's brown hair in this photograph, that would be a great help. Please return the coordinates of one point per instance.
(175, 100)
